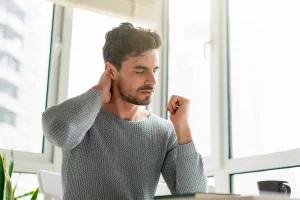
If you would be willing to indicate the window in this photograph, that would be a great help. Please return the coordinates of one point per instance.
(10, 34)
(246, 184)
(211, 184)
(7, 117)
(264, 76)
(6, 60)
(211, 181)
(189, 67)
(8, 88)
(23, 78)
(25, 183)
(14, 8)
(86, 62)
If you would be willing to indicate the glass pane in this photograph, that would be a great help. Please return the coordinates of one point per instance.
(25, 35)
(264, 76)
(246, 184)
(86, 62)
(211, 181)
(25, 183)
(189, 71)
(211, 184)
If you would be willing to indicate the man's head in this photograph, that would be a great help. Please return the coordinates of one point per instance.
(131, 59)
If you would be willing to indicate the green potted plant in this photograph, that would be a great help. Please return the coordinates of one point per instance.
(7, 192)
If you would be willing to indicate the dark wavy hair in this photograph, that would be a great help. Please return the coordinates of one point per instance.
(126, 40)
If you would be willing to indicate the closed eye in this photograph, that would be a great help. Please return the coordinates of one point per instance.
(140, 72)
(142, 69)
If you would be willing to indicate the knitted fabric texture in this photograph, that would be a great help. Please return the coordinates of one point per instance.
(105, 157)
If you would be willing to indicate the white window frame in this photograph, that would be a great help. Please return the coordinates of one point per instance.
(231, 166)
(212, 163)
(48, 160)
(219, 165)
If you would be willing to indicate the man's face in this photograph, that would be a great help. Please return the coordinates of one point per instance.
(138, 77)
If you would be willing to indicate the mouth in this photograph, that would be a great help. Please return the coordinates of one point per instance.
(147, 91)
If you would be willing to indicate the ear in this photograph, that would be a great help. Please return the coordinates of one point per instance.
(111, 70)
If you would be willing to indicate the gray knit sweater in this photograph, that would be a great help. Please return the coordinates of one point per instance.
(105, 157)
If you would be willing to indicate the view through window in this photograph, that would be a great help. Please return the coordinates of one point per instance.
(25, 35)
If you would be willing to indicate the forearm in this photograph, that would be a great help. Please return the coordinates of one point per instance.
(65, 124)
(183, 170)
(190, 174)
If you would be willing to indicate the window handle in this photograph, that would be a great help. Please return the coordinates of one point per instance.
(205, 46)
(57, 48)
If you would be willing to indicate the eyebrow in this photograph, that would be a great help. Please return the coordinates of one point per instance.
(144, 67)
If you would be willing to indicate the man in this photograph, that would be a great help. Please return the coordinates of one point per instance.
(112, 147)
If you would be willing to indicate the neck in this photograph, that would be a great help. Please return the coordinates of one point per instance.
(125, 110)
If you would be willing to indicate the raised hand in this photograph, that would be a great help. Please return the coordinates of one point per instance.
(104, 86)
(178, 108)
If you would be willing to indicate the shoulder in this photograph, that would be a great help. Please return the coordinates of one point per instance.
(162, 123)
(166, 130)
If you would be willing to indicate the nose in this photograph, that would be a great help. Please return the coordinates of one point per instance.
(151, 79)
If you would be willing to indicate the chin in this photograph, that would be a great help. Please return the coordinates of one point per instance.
(145, 102)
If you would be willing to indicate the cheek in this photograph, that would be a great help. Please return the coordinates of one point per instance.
(132, 84)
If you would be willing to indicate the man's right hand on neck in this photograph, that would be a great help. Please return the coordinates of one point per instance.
(104, 86)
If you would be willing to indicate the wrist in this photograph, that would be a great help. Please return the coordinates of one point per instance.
(181, 140)
(183, 125)
(96, 87)
(183, 132)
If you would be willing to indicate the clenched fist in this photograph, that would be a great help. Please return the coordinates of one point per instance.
(178, 108)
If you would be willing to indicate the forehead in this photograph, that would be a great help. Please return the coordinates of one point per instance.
(149, 58)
